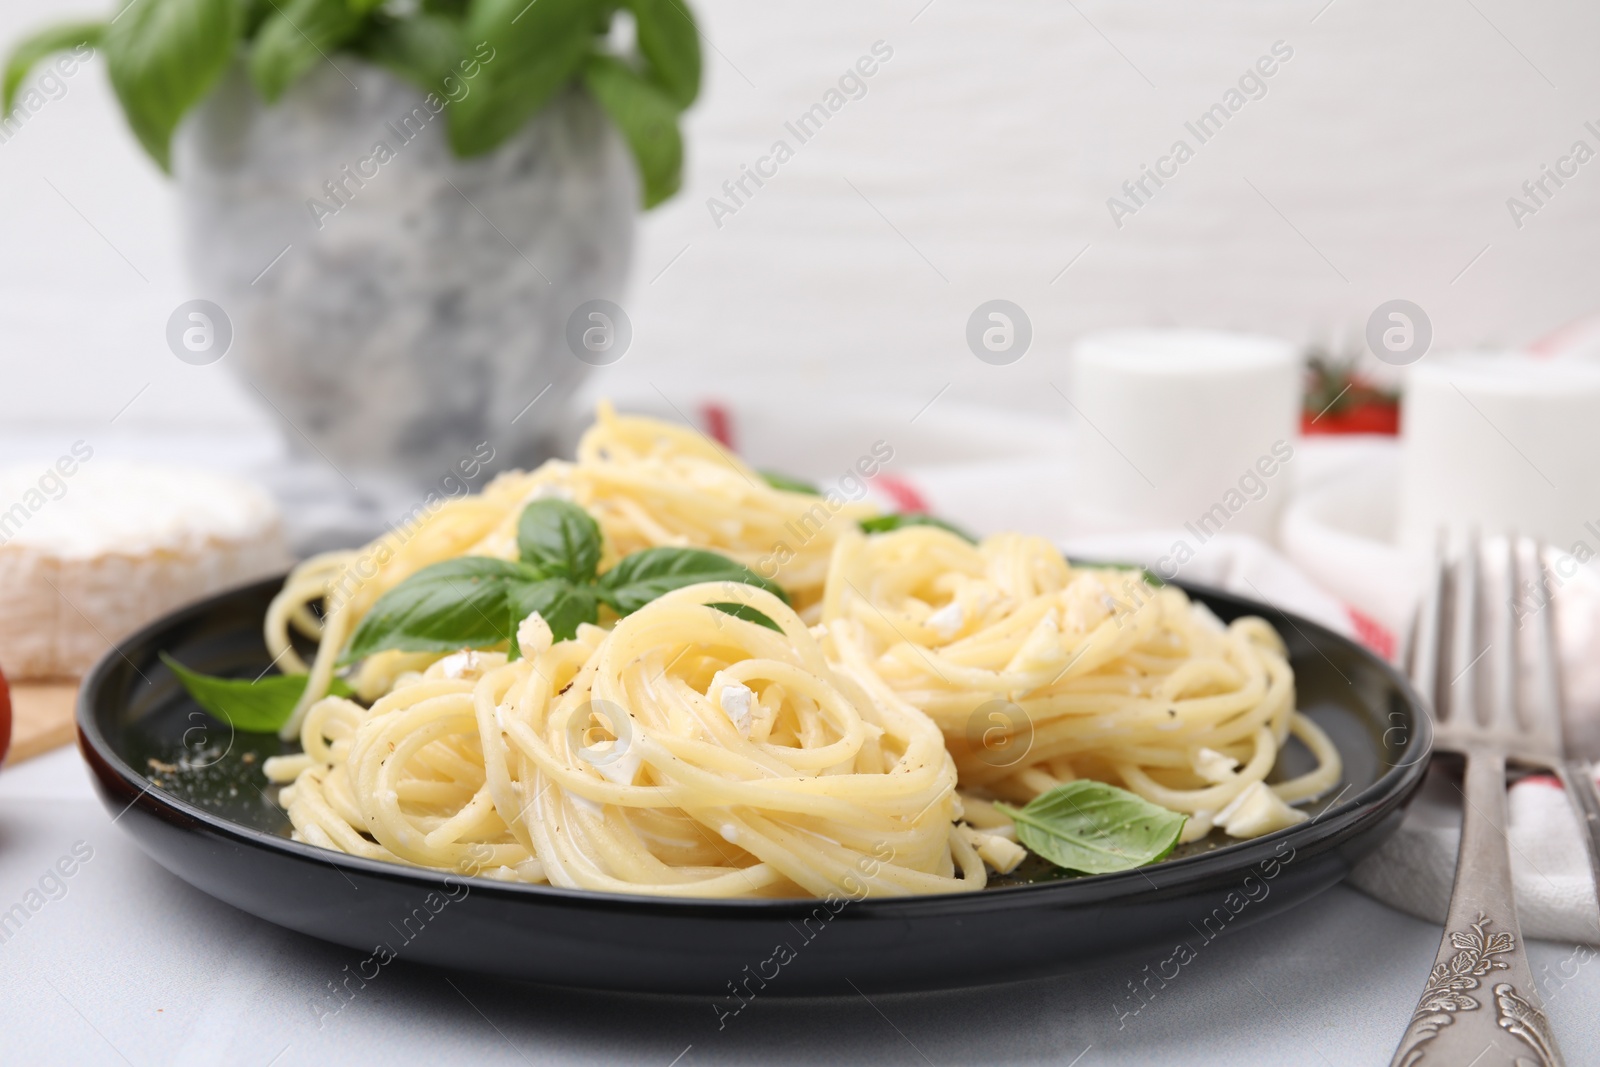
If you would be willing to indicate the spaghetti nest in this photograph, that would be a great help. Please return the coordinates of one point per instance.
(1039, 672)
(647, 483)
(686, 752)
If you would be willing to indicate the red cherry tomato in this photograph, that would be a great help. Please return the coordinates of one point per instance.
(1358, 418)
(5, 718)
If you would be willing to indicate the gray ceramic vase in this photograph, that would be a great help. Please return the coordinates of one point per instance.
(395, 306)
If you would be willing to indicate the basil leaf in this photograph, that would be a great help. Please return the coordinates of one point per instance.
(886, 523)
(261, 706)
(459, 603)
(670, 43)
(255, 13)
(648, 120)
(297, 36)
(560, 539)
(747, 613)
(644, 575)
(163, 56)
(30, 50)
(564, 604)
(537, 47)
(788, 484)
(422, 49)
(1096, 828)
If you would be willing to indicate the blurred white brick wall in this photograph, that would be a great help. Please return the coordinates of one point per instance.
(976, 166)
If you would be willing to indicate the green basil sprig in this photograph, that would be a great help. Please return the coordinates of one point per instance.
(47, 42)
(648, 119)
(423, 49)
(788, 483)
(900, 520)
(539, 47)
(669, 42)
(163, 57)
(478, 602)
(459, 603)
(1095, 828)
(642, 576)
(497, 62)
(296, 36)
(261, 706)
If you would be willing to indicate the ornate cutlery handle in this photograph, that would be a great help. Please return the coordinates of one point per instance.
(1480, 1005)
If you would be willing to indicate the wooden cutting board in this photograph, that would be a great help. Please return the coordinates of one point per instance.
(41, 718)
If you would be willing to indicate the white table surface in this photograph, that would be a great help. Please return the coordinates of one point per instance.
(133, 966)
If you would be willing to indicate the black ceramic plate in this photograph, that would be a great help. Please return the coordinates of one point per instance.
(191, 792)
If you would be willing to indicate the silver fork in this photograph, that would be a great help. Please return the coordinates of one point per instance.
(1480, 1006)
(1575, 772)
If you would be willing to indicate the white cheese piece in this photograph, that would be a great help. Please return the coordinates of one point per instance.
(1197, 826)
(1042, 648)
(458, 665)
(466, 665)
(1213, 766)
(1001, 854)
(618, 770)
(948, 620)
(533, 636)
(1256, 811)
(92, 549)
(735, 700)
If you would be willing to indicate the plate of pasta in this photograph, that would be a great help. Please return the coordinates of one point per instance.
(651, 719)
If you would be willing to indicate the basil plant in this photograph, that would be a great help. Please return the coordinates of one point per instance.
(497, 62)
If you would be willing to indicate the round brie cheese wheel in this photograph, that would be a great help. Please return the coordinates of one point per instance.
(91, 550)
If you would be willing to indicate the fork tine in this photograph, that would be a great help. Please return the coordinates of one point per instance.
(1463, 687)
(1424, 653)
(1545, 715)
(1503, 706)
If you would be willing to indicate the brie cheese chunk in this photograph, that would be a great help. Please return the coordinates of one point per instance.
(91, 550)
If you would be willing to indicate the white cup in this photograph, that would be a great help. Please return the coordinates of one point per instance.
(1185, 428)
(1501, 442)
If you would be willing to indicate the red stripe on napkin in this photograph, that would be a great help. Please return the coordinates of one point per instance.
(719, 423)
(903, 493)
(1372, 633)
